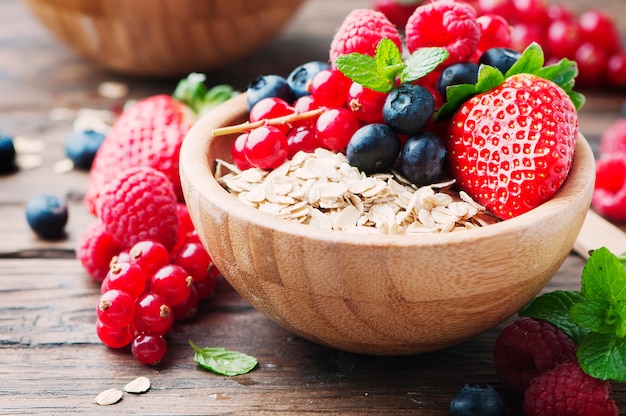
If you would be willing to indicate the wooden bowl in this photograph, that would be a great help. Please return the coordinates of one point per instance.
(383, 295)
(164, 37)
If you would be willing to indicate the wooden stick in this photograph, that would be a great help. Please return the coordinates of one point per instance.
(247, 126)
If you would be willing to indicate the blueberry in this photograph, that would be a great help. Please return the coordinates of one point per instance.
(301, 76)
(373, 148)
(423, 158)
(455, 74)
(266, 86)
(501, 58)
(473, 400)
(81, 147)
(47, 215)
(408, 108)
(7, 154)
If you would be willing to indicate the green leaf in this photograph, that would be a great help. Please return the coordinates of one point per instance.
(223, 361)
(362, 69)
(562, 73)
(422, 62)
(554, 307)
(530, 62)
(192, 92)
(603, 356)
(604, 277)
(594, 316)
(388, 59)
(577, 98)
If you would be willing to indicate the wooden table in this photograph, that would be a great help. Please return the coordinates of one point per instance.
(51, 361)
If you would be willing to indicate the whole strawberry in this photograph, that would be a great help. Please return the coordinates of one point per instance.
(511, 145)
(140, 204)
(568, 390)
(361, 31)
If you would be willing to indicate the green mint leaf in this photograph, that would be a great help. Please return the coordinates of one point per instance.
(217, 95)
(530, 62)
(604, 277)
(422, 62)
(595, 316)
(388, 59)
(554, 307)
(223, 361)
(362, 69)
(603, 356)
(192, 92)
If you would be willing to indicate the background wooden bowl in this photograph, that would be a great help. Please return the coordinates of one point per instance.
(164, 37)
(387, 295)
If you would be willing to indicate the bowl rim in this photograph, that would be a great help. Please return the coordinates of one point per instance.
(194, 156)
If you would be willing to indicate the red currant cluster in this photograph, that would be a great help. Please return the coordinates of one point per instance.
(147, 288)
(327, 117)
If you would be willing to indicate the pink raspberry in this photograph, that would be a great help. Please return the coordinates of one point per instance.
(613, 140)
(361, 31)
(568, 390)
(527, 348)
(609, 194)
(95, 250)
(140, 204)
(446, 23)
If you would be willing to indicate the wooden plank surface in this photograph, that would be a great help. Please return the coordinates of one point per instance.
(51, 361)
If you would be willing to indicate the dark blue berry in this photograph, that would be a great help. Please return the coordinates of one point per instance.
(300, 78)
(473, 400)
(408, 108)
(423, 158)
(7, 154)
(47, 215)
(501, 58)
(81, 147)
(267, 86)
(373, 148)
(455, 74)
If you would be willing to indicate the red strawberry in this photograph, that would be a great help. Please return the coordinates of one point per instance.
(361, 31)
(147, 134)
(140, 204)
(511, 148)
(445, 23)
(568, 390)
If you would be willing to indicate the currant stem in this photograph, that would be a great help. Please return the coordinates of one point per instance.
(247, 126)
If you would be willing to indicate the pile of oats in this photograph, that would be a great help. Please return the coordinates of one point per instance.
(323, 190)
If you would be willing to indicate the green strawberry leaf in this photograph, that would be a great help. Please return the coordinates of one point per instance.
(554, 307)
(530, 62)
(603, 356)
(422, 62)
(604, 277)
(363, 69)
(192, 92)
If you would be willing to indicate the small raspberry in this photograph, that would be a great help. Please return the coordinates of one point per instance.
(568, 390)
(95, 250)
(609, 194)
(140, 204)
(361, 31)
(398, 12)
(527, 348)
(613, 140)
(448, 24)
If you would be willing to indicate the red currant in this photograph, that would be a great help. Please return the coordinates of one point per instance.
(237, 152)
(503, 8)
(495, 32)
(271, 107)
(563, 38)
(330, 87)
(148, 348)
(189, 308)
(616, 70)
(194, 258)
(523, 34)
(173, 283)
(530, 11)
(559, 11)
(598, 28)
(305, 103)
(125, 276)
(366, 104)
(206, 288)
(592, 62)
(114, 337)
(266, 147)
(150, 256)
(301, 139)
(335, 127)
(115, 308)
(184, 219)
(153, 315)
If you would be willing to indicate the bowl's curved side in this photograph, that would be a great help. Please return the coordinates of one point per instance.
(163, 39)
(378, 294)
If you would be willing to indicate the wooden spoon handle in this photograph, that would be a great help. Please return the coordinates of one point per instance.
(598, 232)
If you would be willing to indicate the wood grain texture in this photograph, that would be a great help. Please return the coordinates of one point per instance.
(51, 361)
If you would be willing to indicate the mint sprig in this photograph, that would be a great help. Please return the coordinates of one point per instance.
(192, 91)
(594, 317)
(223, 361)
(379, 73)
(531, 61)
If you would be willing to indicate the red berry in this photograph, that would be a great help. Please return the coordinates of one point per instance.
(504, 8)
(266, 147)
(530, 11)
(189, 308)
(329, 88)
(114, 337)
(523, 34)
(396, 11)
(194, 258)
(302, 139)
(560, 11)
(366, 104)
(150, 256)
(592, 63)
(609, 195)
(613, 140)
(271, 107)
(184, 220)
(153, 315)
(95, 250)
(563, 38)
(599, 28)
(173, 283)
(237, 152)
(115, 308)
(149, 349)
(125, 276)
(335, 127)
(616, 69)
(305, 103)
(495, 32)
(206, 288)
(568, 390)
(527, 348)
